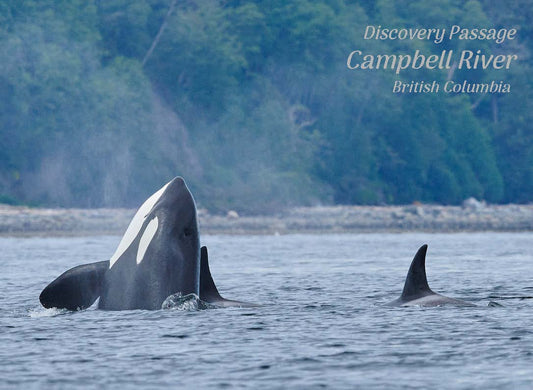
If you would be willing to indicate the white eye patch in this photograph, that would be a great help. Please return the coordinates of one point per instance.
(146, 238)
(136, 224)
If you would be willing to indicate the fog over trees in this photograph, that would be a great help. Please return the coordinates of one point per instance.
(252, 102)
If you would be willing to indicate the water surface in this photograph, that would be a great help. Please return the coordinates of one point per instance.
(322, 323)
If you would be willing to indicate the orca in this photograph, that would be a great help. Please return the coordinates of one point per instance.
(416, 291)
(158, 256)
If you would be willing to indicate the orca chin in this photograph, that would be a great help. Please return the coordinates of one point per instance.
(416, 291)
(158, 257)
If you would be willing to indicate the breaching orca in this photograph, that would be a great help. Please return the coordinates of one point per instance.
(416, 291)
(158, 256)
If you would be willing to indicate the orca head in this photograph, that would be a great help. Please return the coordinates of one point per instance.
(177, 241)
(160, 249)
(173, 242)
(175, 209)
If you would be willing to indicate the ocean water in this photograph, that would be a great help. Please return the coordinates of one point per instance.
(322, 323)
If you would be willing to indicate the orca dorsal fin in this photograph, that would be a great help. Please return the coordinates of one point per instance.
(208, 290)
(416, 283)
(77, 288)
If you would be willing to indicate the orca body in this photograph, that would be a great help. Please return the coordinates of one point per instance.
(158, 256)
(416, 291)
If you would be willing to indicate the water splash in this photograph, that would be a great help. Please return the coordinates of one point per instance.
(189, 302)
(42, 312)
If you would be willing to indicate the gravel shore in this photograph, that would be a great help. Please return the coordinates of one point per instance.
(471, 216)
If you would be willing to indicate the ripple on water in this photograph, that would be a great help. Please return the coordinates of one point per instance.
(321, 323)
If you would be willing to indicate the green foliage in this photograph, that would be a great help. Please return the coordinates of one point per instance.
(251, 101)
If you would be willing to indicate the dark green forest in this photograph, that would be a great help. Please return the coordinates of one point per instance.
(102, 102)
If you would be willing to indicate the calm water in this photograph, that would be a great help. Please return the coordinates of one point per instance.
(322, 323)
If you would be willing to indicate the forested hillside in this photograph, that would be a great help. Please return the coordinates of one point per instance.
(104, 101)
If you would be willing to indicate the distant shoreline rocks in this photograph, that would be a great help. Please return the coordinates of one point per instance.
(472, 215)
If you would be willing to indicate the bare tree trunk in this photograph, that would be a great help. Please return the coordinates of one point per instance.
(495, 109)
(160, 32)
(451, 71)
(476, 103)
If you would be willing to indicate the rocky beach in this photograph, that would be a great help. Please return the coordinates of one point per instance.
(472, 215)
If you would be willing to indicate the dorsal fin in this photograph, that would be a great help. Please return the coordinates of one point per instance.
(208, 290)
(416, 283)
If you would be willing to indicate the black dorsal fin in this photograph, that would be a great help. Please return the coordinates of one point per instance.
(416, 283)
(77, 288)
(208, 290)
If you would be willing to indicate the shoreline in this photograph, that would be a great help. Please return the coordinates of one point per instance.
(472, 216)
